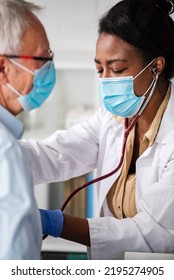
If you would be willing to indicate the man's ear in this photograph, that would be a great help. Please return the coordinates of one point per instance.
(3, 76)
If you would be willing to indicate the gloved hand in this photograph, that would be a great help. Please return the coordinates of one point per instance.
(52, 222)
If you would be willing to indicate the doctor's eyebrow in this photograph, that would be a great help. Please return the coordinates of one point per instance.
(110, 61)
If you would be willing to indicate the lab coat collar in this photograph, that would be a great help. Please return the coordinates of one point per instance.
(14, 125)
(167, 123)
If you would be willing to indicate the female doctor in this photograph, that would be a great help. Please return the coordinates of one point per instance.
(135, 62)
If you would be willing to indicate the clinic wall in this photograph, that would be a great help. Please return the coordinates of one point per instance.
(72, 24)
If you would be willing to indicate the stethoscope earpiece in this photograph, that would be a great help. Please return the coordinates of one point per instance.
(154, 71)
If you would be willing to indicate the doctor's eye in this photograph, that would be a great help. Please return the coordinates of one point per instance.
(119, 71)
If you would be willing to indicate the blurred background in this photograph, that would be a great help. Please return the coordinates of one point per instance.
(71, 26)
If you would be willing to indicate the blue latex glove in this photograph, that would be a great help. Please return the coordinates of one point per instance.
(52, 222)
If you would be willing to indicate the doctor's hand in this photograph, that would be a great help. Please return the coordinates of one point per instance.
(52, 222)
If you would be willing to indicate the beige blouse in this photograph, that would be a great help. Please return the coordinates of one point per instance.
(122, 197)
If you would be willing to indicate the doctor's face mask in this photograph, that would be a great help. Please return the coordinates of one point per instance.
(118, 94)
(43, 83)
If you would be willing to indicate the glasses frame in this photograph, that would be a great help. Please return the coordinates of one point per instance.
(42, 58)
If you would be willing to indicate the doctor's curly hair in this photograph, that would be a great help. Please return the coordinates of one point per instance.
(147, 25)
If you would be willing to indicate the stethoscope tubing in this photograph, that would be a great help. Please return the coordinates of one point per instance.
(127, 129)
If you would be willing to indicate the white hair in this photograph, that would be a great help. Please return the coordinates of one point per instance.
(15, 17)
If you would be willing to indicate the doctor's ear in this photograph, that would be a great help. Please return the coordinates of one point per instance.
(158, 65)
(3, 77)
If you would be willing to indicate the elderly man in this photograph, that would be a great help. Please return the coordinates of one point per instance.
(26, 68)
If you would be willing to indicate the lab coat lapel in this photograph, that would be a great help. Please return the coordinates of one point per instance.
(145, 167)
(167, 123)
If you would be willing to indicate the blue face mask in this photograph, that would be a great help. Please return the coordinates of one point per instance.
(118, 95)
(43, 83)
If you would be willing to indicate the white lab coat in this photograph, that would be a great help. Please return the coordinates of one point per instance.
(97, 144)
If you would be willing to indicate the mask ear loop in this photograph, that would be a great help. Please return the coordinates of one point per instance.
(21, 66)
(13, 89)
(144, 69)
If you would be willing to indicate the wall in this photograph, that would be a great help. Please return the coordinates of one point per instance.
(72, 24)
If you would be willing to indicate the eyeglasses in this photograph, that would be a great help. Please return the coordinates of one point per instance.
(42, 58)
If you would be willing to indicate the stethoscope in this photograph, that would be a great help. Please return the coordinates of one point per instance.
(127, 128)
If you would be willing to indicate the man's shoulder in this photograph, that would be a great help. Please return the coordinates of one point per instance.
(6, 136)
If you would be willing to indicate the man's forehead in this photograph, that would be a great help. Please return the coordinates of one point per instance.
(35, 40)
